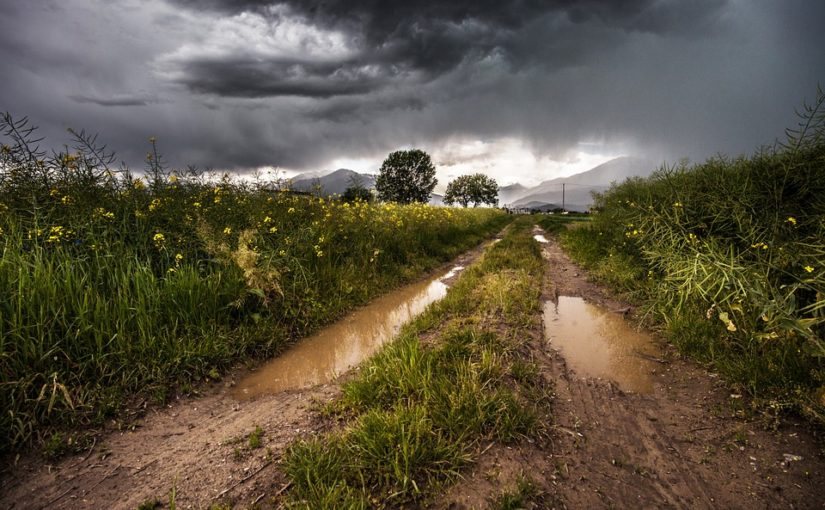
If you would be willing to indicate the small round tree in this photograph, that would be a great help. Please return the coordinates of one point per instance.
(475, 188)
(356, 193)
(406, 177)
(356, 190)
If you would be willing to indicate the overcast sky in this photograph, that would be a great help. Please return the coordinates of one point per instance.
(525, 90)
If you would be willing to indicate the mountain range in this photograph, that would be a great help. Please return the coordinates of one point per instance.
(334, 183)
(572, 191)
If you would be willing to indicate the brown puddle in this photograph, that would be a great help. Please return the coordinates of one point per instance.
(339, 347)
(599, 343)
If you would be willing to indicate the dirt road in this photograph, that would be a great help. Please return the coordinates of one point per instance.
(682, 445)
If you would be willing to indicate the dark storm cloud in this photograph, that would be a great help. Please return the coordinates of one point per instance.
(422, 40)
(114, 101)
(280, 77)
(297, 84)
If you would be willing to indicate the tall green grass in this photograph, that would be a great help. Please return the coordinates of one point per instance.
(729, 254)
(115, 286)
(418, 411)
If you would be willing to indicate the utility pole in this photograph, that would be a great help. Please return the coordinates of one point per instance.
(562, 196)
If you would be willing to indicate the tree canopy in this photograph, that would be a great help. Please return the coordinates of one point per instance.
(406, 177)
(475, 188)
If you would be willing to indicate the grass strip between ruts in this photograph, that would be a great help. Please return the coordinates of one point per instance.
(416, 412)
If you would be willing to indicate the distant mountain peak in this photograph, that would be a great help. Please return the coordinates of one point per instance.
(341, 171)
(332, 183)
(575, 190)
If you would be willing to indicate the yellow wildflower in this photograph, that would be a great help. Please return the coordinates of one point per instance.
(100, 212)
(158, 238)
(808, 269)
(227, 231)
(178, 258)
(55, 233)
(791, 220)
(272, 230)
(196, 205)
(290, 210)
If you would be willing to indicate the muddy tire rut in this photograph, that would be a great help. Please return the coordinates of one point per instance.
(681, 446)
(197, 446)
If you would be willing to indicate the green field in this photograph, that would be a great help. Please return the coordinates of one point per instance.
(117, 286)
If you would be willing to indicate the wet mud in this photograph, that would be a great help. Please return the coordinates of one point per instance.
(599, 343)
(343, 345)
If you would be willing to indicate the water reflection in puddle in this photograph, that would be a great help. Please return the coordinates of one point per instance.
(337, 348)
(540, 238)
(599, 343)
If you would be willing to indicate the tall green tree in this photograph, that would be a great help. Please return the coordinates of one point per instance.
(475, 188)
(406, 177)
